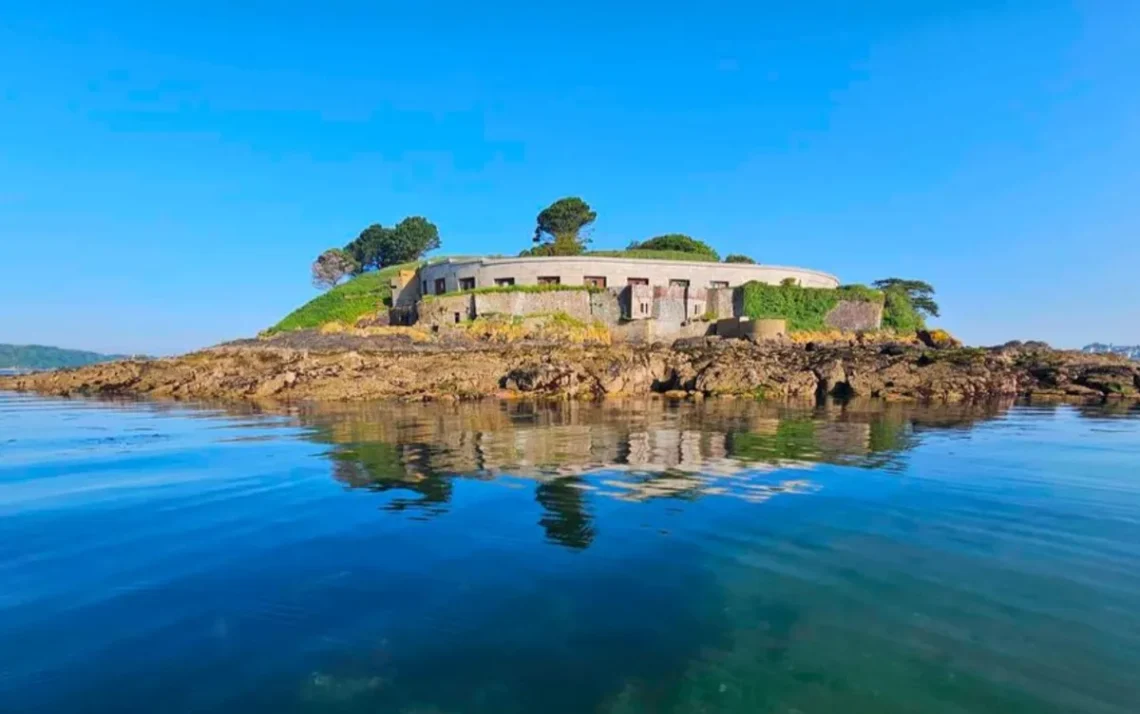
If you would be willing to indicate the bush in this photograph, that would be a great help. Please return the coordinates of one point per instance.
(490, 289)
(677, 242)
(643, 254)
(738, 258)
(899, 314)
(803, 308)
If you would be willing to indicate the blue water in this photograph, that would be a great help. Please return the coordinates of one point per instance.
(634, 557)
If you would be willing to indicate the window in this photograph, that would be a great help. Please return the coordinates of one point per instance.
(718, 284)
(696, 309)
(549, 280)
(504, 282)
(678, 283)
(467, 283)
(457, 319)
(594, 281)
(638, 281)
(644, 308)
(440, 286)
(424, 288)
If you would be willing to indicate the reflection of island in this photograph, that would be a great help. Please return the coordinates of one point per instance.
(631, 451)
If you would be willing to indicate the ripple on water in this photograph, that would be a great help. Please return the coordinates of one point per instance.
(625, 557)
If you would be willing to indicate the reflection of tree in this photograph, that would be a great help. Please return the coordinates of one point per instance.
(793, 439)
(382, 467)
(565, 517)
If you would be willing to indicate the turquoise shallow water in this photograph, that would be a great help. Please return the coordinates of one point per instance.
(641, 557)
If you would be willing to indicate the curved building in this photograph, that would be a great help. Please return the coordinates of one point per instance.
(454, 274)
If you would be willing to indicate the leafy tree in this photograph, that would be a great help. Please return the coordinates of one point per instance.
(676, 241)
(377, 247)
(919, 293)
(332, 266)
(738, 258)
(367, 248)
(899, 313)
(559, 227)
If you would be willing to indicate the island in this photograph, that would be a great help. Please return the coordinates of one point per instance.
(664, 316)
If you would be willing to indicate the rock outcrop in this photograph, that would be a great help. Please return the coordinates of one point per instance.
(333, 367)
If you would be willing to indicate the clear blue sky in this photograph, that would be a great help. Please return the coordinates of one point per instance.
(166, 176)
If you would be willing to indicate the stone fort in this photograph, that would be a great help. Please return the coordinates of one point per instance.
(638, 299)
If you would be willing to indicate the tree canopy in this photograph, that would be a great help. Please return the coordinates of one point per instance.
(558, 229)
(738, 258)
(919, 293)
(332, 266)
(676, 241)
(377, 247)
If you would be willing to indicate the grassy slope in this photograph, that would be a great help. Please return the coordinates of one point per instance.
(346, 303)
(652, 255)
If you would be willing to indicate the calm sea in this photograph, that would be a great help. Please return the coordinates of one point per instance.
(636, 557)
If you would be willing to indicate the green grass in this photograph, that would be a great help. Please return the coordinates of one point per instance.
(504, 289)
(346, 303)
(653, 255)
(803, 308)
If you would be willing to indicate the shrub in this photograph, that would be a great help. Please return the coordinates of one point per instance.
(802, 308)
(644, 254)
(677, 242)
(491, 289)
(738, 258)
(899, 314)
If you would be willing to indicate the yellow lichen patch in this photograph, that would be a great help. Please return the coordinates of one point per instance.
(414, 333)
(942, 338)
(339, 328)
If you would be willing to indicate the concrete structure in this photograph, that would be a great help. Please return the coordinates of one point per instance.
(456, 274)
(639, 300)
(755, 330)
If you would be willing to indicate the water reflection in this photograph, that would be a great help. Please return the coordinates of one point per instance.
(637, 451)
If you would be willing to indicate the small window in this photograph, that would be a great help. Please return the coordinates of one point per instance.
(423, 289)
(504, 282)
(467, 283)
(718, 284)
(440, 286)
(638, 281)
(457, 318)
(549, 280)
(644, 308)
(594, 281)
(696, 309)
(678, 283)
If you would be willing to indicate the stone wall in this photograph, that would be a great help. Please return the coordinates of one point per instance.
(606, 306)
(446, 310)
(854, 316)
(575, 303)
(669, 308)
(452, 309)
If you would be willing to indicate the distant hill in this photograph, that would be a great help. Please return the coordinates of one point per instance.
(1130, 351)
(44, 357)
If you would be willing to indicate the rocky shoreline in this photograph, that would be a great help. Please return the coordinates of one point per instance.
(311, 366)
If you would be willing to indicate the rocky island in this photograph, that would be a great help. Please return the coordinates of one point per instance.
(311, 365)
(665, 316)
